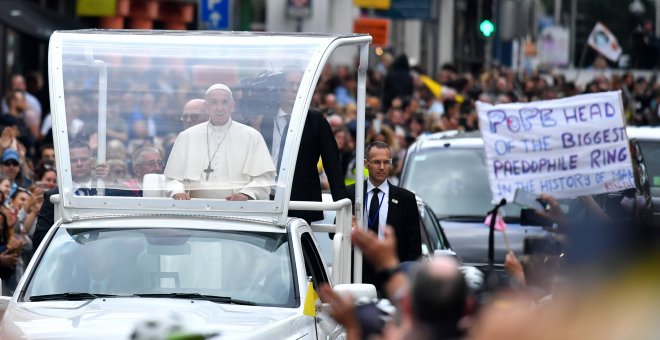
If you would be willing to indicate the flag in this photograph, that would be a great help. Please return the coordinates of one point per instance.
(436, 88)
(432, 85)
(604, 42)
(500, 225)
(310, 301)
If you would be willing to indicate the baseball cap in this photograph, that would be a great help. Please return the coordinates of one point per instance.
(10, 154)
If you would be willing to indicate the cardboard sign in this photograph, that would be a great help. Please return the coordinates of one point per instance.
(567, 147)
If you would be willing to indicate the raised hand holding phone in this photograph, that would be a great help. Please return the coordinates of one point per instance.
(528, 200)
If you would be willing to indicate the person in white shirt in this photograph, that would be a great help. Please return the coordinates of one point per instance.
(221, 158)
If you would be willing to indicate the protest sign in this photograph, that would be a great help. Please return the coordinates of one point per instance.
(566, 147)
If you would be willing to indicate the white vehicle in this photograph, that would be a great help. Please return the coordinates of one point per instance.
(125, 250)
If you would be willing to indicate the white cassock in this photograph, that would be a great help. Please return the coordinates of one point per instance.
(240, 161)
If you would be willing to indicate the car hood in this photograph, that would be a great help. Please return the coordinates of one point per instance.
(470, 240)
(116, 318)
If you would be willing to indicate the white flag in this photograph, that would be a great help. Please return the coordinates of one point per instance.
(603, 41)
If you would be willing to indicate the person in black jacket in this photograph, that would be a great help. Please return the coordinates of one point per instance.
(84, 184)
(317, 141)
(387, 204)
(398, 82)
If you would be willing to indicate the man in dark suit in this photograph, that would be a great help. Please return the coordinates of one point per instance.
(316, 141)
(387, 204)
(84, 184)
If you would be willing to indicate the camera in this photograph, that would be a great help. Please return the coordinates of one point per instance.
(260, 95)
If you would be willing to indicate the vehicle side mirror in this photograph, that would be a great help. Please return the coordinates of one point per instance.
(359, 291)
(444, 252)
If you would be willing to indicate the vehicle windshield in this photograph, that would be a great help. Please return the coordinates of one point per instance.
(253, 267)
(651, 153)
(454, 183)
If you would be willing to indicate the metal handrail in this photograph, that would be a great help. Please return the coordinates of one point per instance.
(341, 243)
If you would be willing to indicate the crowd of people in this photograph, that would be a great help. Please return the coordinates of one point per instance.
(401, 107)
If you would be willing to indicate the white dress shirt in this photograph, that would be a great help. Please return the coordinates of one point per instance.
(278, 130)
(383, 196)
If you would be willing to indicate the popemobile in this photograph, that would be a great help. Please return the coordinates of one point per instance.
(209, 125)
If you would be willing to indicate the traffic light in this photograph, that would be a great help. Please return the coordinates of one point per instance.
(487, 28)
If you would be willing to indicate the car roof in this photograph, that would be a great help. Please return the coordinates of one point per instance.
(650, 133)
(445, 139)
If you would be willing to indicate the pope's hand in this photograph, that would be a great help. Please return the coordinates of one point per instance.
(182, 196)
(237, 197)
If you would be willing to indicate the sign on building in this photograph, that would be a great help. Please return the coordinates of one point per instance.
(408, 9)
(375, 4)
(214, 14)
(378, 28)
(299, 9)
(554, 46)
(96, 8)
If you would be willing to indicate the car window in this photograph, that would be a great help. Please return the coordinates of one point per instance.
(435, 237)
(313, 264)
(651, 152)
(162, 261)
(454, 182)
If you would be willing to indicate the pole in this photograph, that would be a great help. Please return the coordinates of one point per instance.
(491, 242)
(557, 12)
(359, 155)
(573, 28)
(582, 55)
(488, 53)
(657, 18)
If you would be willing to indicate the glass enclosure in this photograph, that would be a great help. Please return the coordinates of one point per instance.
(181, 115)
(158, 262)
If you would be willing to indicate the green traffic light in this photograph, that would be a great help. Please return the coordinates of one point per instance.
(487, 28)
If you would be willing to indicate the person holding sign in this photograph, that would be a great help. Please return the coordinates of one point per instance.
(221, 158)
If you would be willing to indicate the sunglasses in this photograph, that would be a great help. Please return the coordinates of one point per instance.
(377, 162)
(152, 164)
(10, 163)
(193, 116)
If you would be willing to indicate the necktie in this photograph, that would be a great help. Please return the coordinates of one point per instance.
(374, 208)
(82, 192)
(287, 118)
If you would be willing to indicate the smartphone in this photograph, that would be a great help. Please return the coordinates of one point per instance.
(528, 200)
(534, 245)
(41, 185)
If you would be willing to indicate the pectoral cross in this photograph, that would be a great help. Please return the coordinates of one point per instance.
(208, 171)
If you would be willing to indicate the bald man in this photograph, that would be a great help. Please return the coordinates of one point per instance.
(221, 158)
(194, 113)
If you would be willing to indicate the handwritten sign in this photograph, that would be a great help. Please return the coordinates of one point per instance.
(567, 147)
